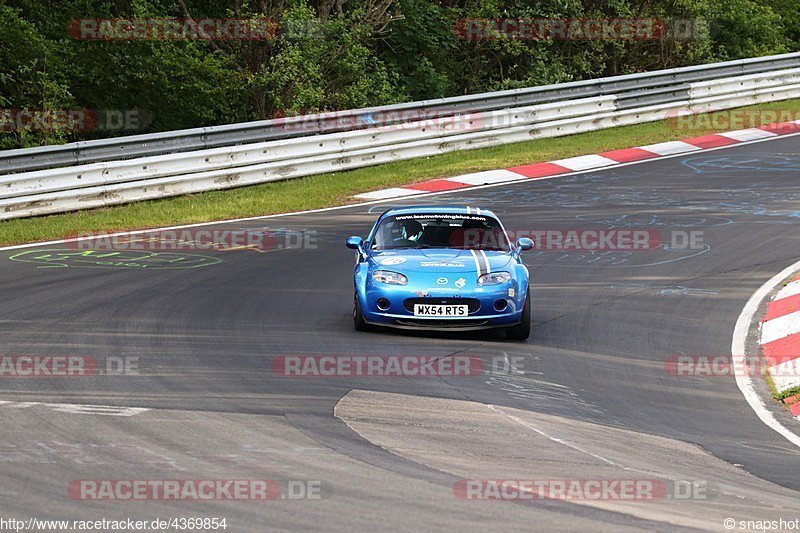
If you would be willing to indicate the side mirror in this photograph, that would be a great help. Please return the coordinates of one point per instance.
(354, 243)
(524, 244)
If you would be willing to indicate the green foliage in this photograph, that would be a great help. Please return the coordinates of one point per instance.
(31, 78)
(339, 54)
(794, 391)
(317, 65)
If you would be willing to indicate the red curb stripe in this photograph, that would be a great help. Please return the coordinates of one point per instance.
(784, 306)
(792, 399)
(629, 154)
(795, 409)
(437, 185)
(782, 350)
(781, 128)
(539, 170)
(776, 360)
(710, 141)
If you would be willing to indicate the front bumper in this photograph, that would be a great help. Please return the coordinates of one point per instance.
(400, 315)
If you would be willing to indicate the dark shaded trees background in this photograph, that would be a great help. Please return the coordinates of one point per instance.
(337, 54)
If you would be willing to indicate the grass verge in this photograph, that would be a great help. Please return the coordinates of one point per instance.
(326, 190)
(788, 393)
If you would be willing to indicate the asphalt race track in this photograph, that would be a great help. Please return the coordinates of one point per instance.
(589, 396)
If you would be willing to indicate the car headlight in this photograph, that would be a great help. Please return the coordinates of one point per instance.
(387, 276)
(494, 278)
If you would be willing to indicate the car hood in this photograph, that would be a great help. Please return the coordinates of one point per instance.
(440, 260)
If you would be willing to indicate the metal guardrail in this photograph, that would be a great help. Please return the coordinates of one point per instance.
(631, 91)
(66, 178)
(113, 182)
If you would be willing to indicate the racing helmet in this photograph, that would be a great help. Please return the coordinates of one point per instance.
(407, 230)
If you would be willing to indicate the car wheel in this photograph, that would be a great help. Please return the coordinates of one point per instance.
(522, 331)
(358, 319)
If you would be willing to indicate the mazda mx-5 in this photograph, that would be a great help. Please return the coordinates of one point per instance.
(444, 268)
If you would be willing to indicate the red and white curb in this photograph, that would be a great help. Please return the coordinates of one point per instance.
(585, 162)
(780, 342)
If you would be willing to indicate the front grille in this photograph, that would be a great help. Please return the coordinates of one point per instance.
(473, 303)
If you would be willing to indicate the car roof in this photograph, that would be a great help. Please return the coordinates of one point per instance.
(433, 209)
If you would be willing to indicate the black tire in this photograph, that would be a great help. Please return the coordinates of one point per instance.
(358, 319)
(522, 331)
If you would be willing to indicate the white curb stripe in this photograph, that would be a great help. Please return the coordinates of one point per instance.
(780, 327)
(489, 176)
(791, 289)
(670, 147)
(786, 375)
(388, 193)
(584, 162)
(747, 135)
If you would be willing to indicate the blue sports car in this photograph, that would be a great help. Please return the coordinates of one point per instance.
(444, 268)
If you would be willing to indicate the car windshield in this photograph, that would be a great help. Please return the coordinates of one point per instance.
(466, 232)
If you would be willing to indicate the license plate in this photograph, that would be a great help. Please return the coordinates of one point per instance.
(440, 310)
